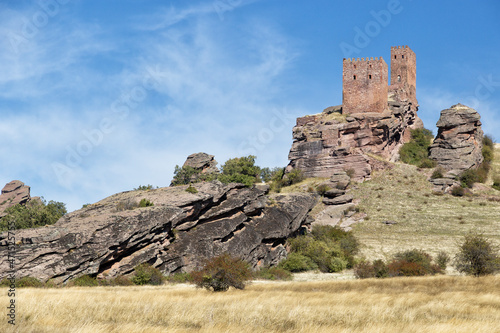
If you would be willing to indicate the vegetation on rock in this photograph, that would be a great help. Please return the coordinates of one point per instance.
(416, 151)
(36, 213)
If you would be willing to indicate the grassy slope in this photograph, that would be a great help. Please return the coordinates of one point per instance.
(424, 220)
(431, 304)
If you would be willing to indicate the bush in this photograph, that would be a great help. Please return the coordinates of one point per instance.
(293, 177)
(29, 282)
(364, 270)
(427, 163)
(145, 203)
(496, 183)
(222, 272)
(180, 278)
(121, 281)
(477, 256)
(273, 273)
(182, 176)
(488, 141)
(240, 170)
(322, 189)
(412, 263)
(296, 263)
(457, 191)
(442, 260)
(144, 187)
(147, 274)
(417, 150)
(380, 268)
(437, 173)
(128, 204)
(191, 189)
(84, 281)
(36, 213)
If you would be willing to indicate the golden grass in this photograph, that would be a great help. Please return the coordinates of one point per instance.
(424, 220)
(428, 304)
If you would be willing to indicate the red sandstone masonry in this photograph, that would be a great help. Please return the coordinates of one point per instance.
(365, 85)
(365, 81)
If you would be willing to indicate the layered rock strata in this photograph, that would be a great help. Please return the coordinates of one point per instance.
(459, 141)
(330, 142)
(14, 193)
(177, 234)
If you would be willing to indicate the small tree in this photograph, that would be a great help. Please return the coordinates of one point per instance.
(477, 256)
(182, 176)
(222, 272)
(147, 274)
(240, 170)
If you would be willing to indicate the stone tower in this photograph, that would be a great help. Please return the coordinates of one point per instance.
(365, 85)
(403, 73)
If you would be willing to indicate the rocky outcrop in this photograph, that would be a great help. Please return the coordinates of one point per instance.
(204, 166)
(459, 141)
(14, 193)
(177, 234)
(330, 142)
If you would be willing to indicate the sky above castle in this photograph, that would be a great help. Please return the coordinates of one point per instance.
(98, 97)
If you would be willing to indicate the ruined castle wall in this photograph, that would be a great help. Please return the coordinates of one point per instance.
(365, 85)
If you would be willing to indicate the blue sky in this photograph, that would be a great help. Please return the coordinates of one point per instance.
(98, 97)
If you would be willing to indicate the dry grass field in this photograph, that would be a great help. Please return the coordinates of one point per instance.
(423, 220)
(427, 304)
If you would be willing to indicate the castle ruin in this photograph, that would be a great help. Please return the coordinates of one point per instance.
(365, 81)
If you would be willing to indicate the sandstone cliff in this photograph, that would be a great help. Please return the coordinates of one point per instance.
(330, 142)
(459, 141)
(176, 234)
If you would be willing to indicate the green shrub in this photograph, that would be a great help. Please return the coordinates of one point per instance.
(84, 281)
(240, 170)
(273, 273)
(457, 191)
(380, 268)
(336, 264)
(29, 282)
(182, 176)
(322, 189)
(487, 153)
(222, 272)
(36, 213)
(416, 151)
(427, 163)
(147, 274)
(145, 203)
(488, 141)
(293, 177)
(296, 262)
(144, 187)
(437, 173)
(179, 278)
(477, 256)
(442, 260)
(191, 189)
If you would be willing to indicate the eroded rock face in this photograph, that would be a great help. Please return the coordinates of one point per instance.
(330, 142)
(459, 141)
(14, 193)
(176, 234)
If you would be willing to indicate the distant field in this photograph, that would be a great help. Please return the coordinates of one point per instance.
(423, 220)
(426, 304)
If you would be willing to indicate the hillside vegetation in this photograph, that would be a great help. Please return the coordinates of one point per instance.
(432, 304)
(418, 217)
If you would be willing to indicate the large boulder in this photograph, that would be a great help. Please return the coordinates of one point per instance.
(459, 141)
(12, 194)
(330, 142)
(177, 234)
